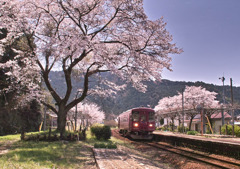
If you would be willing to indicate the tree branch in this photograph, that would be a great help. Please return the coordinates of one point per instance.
(49, 106)
(68, 14)
(49, 86)
(96, 32)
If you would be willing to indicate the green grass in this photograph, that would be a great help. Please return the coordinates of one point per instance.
(10, 138)
(33, 155)
(45, 155)
(42, 154)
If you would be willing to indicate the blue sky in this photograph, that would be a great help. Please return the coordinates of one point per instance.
(209, 33)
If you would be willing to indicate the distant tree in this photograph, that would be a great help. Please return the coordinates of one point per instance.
(193, 96)
(88, 113)
(90, 37)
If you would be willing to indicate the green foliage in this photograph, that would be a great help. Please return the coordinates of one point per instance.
(99, 145)
(105, 145)
(237, 130)
(101, 132)
(180, 129)
(55, 136)
(228, 128)
(162, 121)
(14, 120)
(192, 133)
(27, 118)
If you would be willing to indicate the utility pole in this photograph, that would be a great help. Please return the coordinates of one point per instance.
(223, 79)
(183, 110)
(232, 107)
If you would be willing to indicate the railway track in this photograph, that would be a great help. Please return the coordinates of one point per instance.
(218, 162)
(204, 158)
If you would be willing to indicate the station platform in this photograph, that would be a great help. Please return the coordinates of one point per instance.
(218, 144)
(206, 137)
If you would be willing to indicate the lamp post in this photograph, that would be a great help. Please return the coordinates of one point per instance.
(76, 112)
(223, 79)
(232, 107)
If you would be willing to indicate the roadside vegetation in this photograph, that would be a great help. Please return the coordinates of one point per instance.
(42, 154)
(15, 153)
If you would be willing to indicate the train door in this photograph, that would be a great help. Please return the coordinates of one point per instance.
(143, 120)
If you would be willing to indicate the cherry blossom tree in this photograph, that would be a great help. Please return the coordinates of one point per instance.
(17, 80)
(169, 107)
(90, 37)
(88, 112)
(193, 96)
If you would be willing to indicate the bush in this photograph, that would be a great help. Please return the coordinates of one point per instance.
(159, 128)
(112, 146)
(101, 132)
(229, 130)
(165, 128)
(99, 145)
(102, 145)
(55, 136)
(192, 132)
(180, 129)
(237, 130)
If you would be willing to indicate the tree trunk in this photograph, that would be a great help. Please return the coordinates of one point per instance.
(61, 121)
(190, 124)
(172, 124)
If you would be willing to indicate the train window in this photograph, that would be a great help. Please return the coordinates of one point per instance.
(143, 118)
(151, 116)
(135, 116)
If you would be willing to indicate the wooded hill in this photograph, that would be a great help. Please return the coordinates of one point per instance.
(130, 97)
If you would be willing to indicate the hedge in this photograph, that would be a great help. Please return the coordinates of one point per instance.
(101, 132)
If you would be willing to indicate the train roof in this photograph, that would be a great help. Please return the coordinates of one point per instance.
(137, 108)
(143, 108)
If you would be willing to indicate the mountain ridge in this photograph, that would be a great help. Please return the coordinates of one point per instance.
(130, 97)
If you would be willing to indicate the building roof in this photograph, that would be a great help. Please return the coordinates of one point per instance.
(219, 115)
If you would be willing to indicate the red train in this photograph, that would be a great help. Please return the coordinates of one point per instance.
(138, 123)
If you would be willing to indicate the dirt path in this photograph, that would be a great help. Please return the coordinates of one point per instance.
(123, 158)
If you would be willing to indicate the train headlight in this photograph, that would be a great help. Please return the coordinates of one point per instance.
(150, 125)
(135, 124)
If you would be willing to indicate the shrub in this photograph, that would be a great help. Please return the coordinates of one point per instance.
(226, 129)
(192, 132)
(159, 128)
(112, 146)
(103, 145)
(101, 132)
(165, 128)
(229, 130)
(180, 129)
(237, 130)
(55, 136)
(99, 145)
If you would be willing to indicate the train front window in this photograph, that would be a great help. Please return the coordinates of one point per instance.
(151, 116)
(143, 118)
(135, 116)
